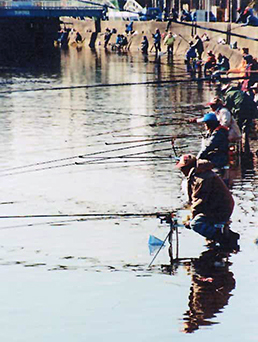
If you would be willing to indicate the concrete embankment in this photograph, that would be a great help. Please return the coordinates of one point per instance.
(184, 34)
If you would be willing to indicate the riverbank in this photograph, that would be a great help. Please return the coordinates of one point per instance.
(184, 34)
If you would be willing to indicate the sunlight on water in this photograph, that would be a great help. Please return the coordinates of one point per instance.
(72, 151)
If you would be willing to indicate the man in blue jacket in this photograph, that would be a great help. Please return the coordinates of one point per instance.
(215, 143)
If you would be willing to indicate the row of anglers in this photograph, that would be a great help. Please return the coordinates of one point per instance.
(230, 121)
(212, 65)
(211, 202)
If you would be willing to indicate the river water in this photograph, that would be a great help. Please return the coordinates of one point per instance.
(69, 150)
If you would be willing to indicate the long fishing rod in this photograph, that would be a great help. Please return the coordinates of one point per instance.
(69, 164)
(138, 141)
(121, 156)
(160, 141)
(80, 218)
(169, 138)
(150, 161)
(106, 215)
(219, 31)
(135, 165)
(105, 85)
(72, 157)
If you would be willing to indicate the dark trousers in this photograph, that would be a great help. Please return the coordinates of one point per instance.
(245, 128)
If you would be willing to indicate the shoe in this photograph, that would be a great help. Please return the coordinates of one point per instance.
(231, 241)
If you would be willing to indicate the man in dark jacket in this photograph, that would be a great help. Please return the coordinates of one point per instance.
(243, 109)
(211, 201)
(198, 46)
(215, 143)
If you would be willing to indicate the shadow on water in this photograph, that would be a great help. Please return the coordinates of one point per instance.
(212, 283)
(37, 61)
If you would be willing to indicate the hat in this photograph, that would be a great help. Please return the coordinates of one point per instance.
(255, 86)
(214, 101)
(209, 117)
(186, 160)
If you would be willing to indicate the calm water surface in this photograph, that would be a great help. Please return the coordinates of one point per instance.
(71, 278)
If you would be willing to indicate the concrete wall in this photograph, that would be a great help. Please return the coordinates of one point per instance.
(181, 44)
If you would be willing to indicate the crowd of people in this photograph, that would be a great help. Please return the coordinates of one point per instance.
(229, 121)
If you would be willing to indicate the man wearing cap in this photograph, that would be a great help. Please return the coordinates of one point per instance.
(224, 117)
(215, 143)
(211, 201)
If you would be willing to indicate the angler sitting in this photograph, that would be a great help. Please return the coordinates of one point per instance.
(211, 202)
(215, 143)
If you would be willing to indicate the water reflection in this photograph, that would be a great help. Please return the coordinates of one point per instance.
(212, 283)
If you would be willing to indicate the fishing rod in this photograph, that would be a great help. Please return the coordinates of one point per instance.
(150, 161)
(105, 85)
(159, 141)
(137, 141)
(70, 164)
(108, 215)
(182, 136)
(72, 157)
(80, 218)
(135, 165)
(219, 31)
(121, 156)
(183, 38)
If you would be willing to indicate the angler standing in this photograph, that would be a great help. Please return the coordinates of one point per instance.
(157, 41)
(211, 201)
(244, 110)
(198, 46)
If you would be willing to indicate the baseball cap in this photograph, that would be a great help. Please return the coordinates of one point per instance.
(186, 160)
(209, 117)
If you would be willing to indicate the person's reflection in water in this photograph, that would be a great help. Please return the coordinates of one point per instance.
(212, 283)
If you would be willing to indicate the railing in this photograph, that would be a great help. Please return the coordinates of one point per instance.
(47, 4)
